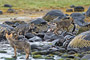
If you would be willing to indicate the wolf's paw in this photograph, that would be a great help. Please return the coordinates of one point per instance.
(14, 56)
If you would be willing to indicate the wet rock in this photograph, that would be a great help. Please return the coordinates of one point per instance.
(7, 5)
(78, 19)
(76, 50)
(10, 10)
(1, 12)
(59, 41)
(67, 38)
(88, 12)
(53, 14)
(38, 21)
(72, 6)
(45, 47)
(8, 23)
(78, 9)
(86, 57)
(29, 35)
(35, 39)
(69, 10)
(48, 36)
(41, 35)
(34, 46)
(62, 50)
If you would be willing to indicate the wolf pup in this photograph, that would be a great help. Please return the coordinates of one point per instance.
(16, 44)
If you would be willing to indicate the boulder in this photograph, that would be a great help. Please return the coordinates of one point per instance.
(81, 41)
(78, 19)
(69, 10)
(78, 9)
(53, 14)
(7, 5)
(39, 21)
(88, 12)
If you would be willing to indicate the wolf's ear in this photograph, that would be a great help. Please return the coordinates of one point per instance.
(11, 35)
(6, 35)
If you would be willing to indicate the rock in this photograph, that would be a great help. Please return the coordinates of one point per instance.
(76, 50)
(35, 39)
(78, 19)
(71, 52)
(16, 24)
(81, 41)
(62, 50)
(8, 23)
(39, 21)
(72, 6)
(59, 41)
(41, 35)
(7, 5)
(53, 14)
(10, 10)
(78, 9)
(13, 23)
(29, 35)
(66, 14)
(48, 36)
(86, 57)
(34, 46)
(1, 12)
(69, 10)
(88, 12)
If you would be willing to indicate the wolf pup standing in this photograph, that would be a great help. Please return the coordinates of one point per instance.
(16, 44)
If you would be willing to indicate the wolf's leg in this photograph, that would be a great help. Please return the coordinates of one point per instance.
(27, 50)
(15, 53)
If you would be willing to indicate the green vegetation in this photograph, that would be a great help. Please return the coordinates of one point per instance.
(37, 4)
(3, 52)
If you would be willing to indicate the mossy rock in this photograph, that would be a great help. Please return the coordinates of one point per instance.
(61, 59)
(37, 56)
(3, 52)
(81, 41)
(48, 57)
(10, 59)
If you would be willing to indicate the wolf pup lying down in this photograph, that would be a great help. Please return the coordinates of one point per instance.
(16, 44)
